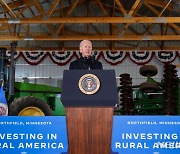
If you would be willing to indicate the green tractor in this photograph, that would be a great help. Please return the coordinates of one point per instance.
(27, 99)
(150, 97)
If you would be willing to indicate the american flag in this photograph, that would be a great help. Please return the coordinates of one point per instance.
(3, 103)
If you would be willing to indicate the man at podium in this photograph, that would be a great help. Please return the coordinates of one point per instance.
(86, 61)
(89, 104)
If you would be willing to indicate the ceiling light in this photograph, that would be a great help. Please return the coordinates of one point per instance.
(13, 21)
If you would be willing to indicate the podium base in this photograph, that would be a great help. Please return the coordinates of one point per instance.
(89, 130)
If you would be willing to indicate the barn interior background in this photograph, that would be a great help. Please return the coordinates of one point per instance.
(47, 67)
(126, 34)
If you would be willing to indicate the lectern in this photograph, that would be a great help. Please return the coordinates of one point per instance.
(89, 97)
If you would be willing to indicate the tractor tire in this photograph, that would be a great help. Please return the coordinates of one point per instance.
(29, 106)
(148, 87)
(148, 70)
(126, 96)
(170, 90)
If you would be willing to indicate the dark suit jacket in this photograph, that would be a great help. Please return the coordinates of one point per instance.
(83, 63)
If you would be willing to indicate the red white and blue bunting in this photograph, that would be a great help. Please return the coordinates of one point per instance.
(141, 57)
(16, 55)
(166, 56)
(33, 58)
(112, 57)
(60, 57)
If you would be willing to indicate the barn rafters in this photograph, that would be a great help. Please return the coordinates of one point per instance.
(62, 21)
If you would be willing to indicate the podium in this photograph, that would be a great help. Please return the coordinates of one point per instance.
(89, 117)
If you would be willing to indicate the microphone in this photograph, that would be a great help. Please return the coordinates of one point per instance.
(89, 62)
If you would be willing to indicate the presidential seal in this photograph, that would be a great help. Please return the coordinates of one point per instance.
(89, 84)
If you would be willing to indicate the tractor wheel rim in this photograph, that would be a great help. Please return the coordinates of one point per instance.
(31, 111)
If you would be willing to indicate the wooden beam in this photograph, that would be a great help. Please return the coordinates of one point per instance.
(106, 13)
(102, 8)
(13, 14)
(151, 8)
(68, 14)
(127, 49)
(41, 11)
(164, 32)
(7, 6)
(38, 7)
(102, 38)
(74, 20)
(164, 8)
(176, 27)
(159, 4)
(71, 32)
(121, 7)
(13, 5)
(133, 11)
(136, 3)
(3, 27)
(148, 30)
(55, 3)
(61, 9)
(159, 15)
(33, 14)
(22, 10)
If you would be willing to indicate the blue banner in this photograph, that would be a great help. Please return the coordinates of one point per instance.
(131, 134)
(146, 135)
(33, 135)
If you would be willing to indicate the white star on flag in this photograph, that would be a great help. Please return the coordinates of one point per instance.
(3, 103)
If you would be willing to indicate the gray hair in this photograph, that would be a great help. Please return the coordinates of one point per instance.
(81, 43)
